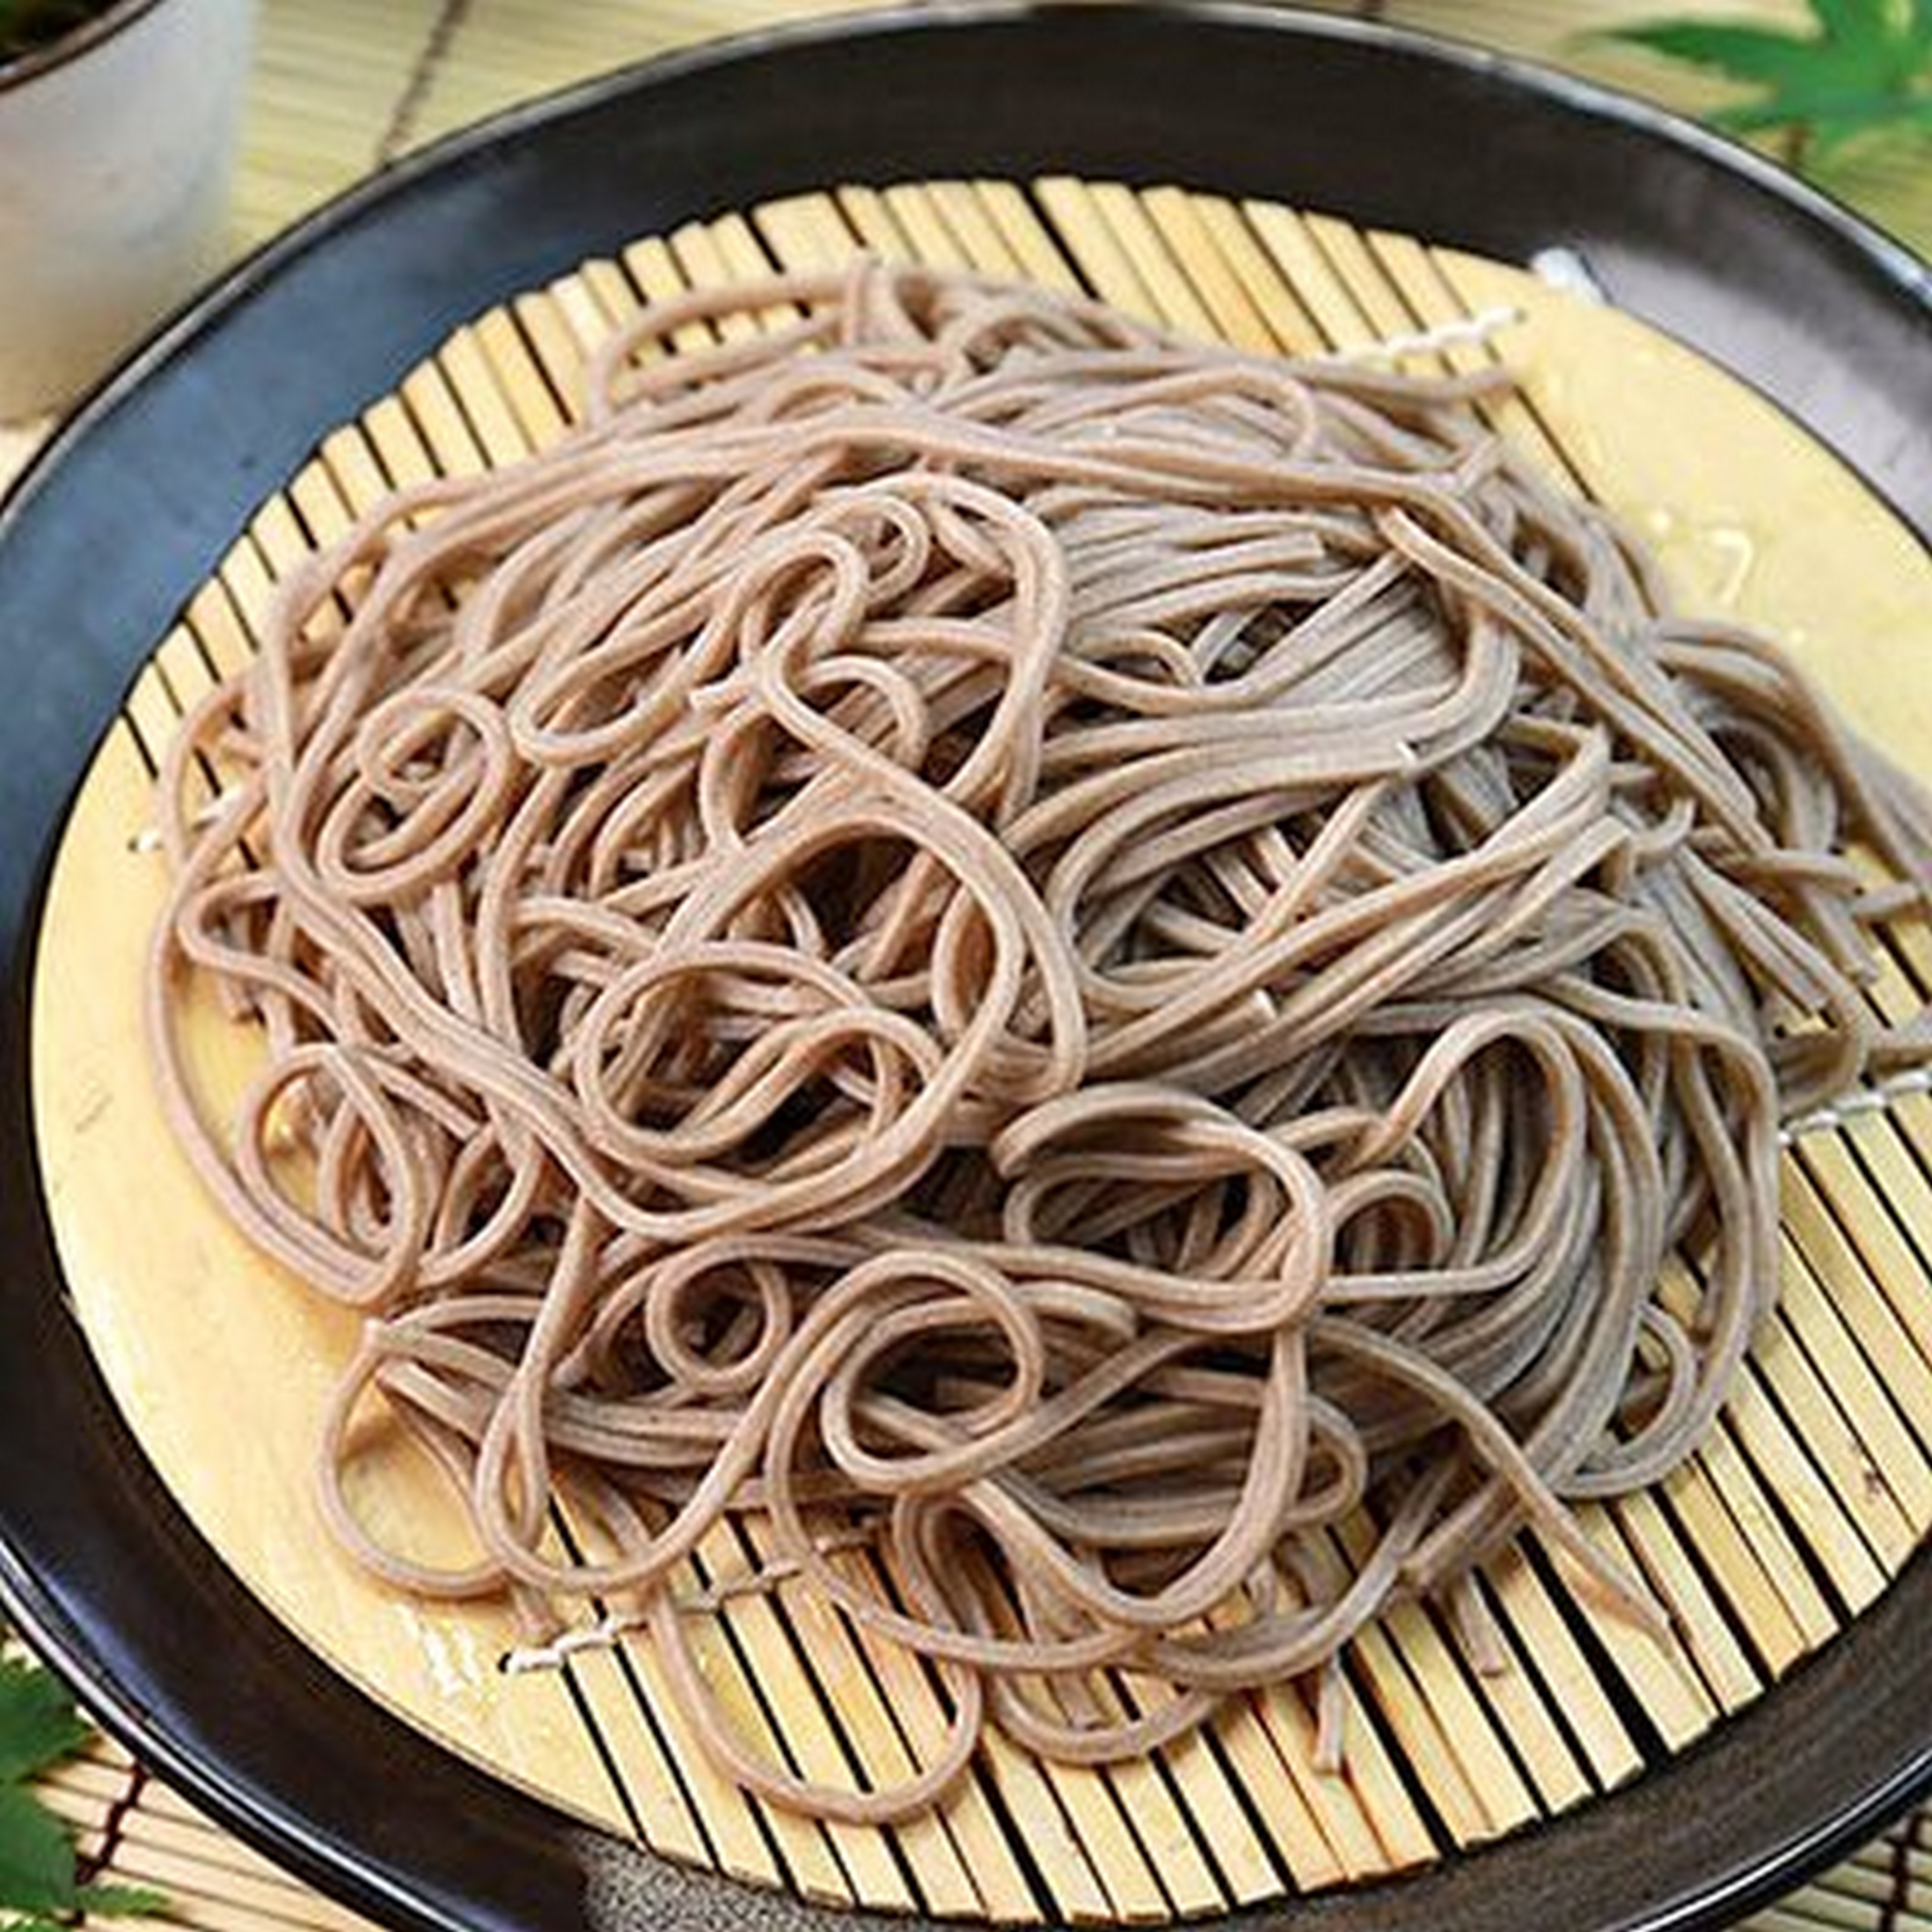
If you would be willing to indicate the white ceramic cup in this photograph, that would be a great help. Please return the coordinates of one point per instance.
(116, 147)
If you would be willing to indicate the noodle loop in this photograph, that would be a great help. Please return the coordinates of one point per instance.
(1073, 956)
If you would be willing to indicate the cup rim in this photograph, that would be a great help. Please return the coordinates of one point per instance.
(72, 45)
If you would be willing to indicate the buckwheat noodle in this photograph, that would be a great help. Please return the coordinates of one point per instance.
(1075, 957)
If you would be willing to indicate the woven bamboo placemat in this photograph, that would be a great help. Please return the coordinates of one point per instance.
(342, 87)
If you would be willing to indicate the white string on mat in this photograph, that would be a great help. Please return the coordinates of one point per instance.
(1465, 332)
(1861, 1101)
(610, 1629)
(149, 838)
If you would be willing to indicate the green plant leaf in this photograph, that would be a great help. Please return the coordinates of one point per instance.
(119, 1901)
(40, 1890)
(1866, 69)
(36, 1855)
(1740, 53)
(38, 1724)
(1854, 19)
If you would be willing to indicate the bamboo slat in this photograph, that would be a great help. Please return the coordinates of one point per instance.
(1809, 1496)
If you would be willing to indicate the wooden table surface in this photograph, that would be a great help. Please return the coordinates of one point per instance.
(342, 87)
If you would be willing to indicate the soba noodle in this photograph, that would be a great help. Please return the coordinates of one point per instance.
(1071, 957)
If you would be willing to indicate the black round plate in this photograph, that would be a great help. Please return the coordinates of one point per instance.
(132, 505)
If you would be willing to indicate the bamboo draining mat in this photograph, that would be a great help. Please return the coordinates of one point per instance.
(1816, 1488)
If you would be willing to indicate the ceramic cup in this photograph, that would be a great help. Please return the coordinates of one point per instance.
(116, 147)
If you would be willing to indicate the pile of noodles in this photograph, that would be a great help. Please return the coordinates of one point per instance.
(1071, 957)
